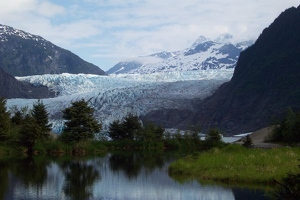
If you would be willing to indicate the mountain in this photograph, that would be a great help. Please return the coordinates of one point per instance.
(23, 54)
(265, 83)
(130, 65)
(12, 88)
(203, 54)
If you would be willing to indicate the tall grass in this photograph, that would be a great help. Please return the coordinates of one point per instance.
(236, 164)
(55, 147)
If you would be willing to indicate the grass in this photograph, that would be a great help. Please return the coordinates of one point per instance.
(236, 164)
(59, 148)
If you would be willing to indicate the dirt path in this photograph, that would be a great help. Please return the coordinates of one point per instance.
(258, 138)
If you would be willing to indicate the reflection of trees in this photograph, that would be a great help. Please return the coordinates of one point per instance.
(132, 163)
(152, 161)
(31, 171)
(4, 179)
(128, 163)
(79, 179)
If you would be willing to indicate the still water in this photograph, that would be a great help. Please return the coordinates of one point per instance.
(113, 177)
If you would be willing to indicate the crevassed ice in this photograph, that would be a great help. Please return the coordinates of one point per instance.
(114, 96)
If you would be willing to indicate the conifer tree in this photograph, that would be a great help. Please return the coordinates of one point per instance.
(116, 130)
(18, 118)
(131, 126)
(127, 129)
(40, 114)
(80, 123)
(214, 135)
(247, 142)
(4, 120)
(30, 133)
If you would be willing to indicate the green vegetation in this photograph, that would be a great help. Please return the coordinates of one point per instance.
(288, 129)
(80, 125)
(128, 129)
(247, 142)
(4, 119)
(237, 164)
(288, 188)
(27, 132)
(131, 134)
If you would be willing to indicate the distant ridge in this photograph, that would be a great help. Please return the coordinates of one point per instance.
(203, 54)
(24, 54)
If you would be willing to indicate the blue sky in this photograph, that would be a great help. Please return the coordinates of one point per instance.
(105, 32)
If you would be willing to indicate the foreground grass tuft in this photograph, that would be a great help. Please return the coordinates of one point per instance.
(236, 164)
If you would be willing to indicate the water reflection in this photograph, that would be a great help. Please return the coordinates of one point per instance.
(132, 163)
(115, 176)
(4, 179)
(31, 171)
(79, 179)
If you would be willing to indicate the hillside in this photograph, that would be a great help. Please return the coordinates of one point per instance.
(266, 82)
(12, 88)
(23, 54)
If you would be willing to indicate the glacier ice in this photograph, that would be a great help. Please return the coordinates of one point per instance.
(114, 96)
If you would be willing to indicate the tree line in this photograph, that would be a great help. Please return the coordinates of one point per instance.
(26, 127)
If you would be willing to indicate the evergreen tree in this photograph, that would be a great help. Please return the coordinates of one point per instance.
(116, 131)
(159, 133)
(80, 123)
(40, 114)
(247, 141)
(4, 120)
(214, 135)
(131, 126)
(288, 130)
(18, 118)
(30, 133)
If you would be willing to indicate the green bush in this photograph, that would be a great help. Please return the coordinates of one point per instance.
(288, 188)
(288, 131)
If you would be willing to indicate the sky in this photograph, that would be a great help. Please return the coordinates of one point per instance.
(104, 32)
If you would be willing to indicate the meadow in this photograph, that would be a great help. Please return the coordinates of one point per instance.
(237, 164)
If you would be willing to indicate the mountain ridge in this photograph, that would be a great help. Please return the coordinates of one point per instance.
(23, 54)
(201, 55)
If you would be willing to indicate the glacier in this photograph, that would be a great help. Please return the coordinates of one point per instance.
(115, 96)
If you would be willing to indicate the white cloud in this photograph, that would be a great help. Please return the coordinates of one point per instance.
(48, 9)
(116, 29)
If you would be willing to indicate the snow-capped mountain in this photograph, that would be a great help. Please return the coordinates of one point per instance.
(23, 54)
(203, 54)
(114, 96)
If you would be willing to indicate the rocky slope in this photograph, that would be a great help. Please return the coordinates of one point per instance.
(266, 82)
(23, 54)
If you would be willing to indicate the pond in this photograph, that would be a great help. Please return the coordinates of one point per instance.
(112, 176)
